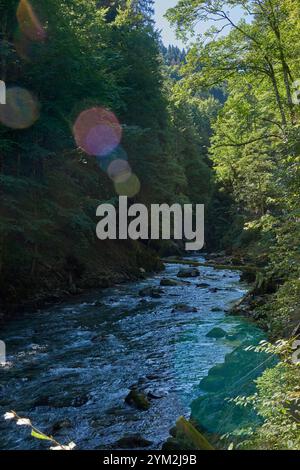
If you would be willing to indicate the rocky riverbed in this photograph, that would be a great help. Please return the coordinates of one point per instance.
(115, 368)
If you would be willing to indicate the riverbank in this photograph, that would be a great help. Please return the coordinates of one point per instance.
(267, 295)
(109, 263)
(115, 263)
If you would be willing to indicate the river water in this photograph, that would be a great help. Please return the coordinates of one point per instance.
(72, 365)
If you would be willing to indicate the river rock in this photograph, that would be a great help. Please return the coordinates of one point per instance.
(170, 282)
(137, 399)
(188, 272)
(203, 285)
(154, 292)
(184, 308)
(134, 441)
(216, 333)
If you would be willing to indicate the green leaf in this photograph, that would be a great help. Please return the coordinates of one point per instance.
(37, 435)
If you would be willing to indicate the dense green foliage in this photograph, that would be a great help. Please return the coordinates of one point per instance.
(72, 56)
(255, 150)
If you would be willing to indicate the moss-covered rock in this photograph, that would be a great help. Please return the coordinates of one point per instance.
(188, 272)
(138, 400)
(185, 436)
(216, 333)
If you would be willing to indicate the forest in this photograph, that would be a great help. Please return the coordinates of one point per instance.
(216, 123)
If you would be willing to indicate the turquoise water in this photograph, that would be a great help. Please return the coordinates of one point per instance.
(76, 362)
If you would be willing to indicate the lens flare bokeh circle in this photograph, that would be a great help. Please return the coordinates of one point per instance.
(24, 46)
(29, 23)
(119, 171)
(130, 188)
(97, 131)
(118, 154)
(21, 109)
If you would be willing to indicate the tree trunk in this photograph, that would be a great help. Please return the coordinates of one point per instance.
(272, 76)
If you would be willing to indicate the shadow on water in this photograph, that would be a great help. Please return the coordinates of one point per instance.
(213, 412)
(71, 367)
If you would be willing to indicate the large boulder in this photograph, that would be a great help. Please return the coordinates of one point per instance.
(216, 333)
(188, 272)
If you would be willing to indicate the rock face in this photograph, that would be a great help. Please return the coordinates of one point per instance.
(188, 272)
(134, 441)
(138, 400)
(154, 292)
(216, 333)
(184, 308)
